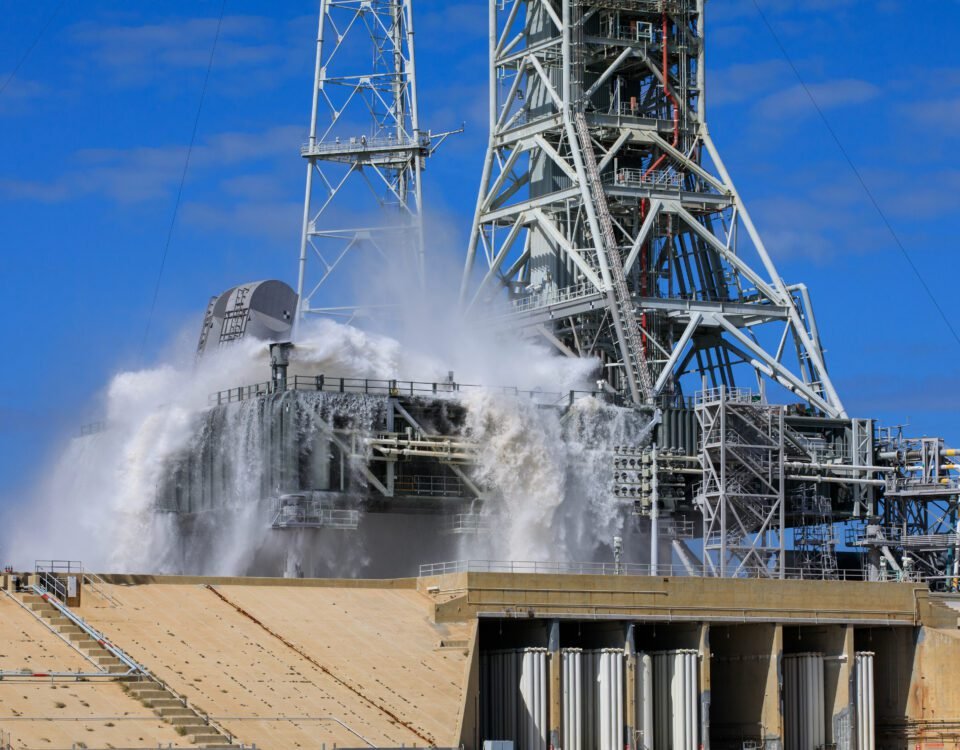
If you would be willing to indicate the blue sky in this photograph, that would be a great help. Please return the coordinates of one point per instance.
(94, 127)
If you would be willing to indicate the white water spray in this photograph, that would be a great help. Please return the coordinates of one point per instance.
(175, 486)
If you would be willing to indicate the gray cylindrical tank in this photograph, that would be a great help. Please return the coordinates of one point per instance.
(260, 309)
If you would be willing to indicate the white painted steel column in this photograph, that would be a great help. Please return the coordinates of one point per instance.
(866, 718)
(621, 697)
(644, 719)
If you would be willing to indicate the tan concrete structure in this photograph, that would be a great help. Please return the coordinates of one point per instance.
(56, 714)
(289, 664)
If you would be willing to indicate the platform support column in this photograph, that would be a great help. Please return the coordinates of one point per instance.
(772, 714)
(705, 656)
(631, 673)
(556, 684)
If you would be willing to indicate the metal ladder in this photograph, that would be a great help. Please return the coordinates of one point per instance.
(207, 325)
(235, 320)
(625, 320)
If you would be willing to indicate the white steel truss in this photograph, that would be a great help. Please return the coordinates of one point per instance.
(742, 496)
(365, 151)
(606, 220)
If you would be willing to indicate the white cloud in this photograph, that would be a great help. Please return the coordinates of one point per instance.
(795, 101)
(148, 172)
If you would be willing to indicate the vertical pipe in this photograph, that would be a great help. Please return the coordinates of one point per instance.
(701, 64)
(302, 266)
(821, 703)
(578, 703)
(411, 80)
(545, 704)
(871, 722)
(691, 664)
(565, 678)
(654, 515)
(603, 690)
(619, 725)
(492, 105)
(646, 672)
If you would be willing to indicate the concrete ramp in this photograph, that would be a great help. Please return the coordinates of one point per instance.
(42, 712)
(297, 665)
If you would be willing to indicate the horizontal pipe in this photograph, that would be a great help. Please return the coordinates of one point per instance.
(836, 480)
(8, 675)
(836, 467)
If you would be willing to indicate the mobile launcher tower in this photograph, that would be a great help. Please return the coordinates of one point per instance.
(608, 225)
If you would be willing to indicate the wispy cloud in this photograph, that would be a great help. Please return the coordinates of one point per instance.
(795, 101)
(20, 94)
(148, 172)
(142, 55)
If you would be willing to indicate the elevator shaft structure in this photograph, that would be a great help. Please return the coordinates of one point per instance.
(365, 153)
(606, 221)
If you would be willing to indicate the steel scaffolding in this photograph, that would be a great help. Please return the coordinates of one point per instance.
(366, 151)
(606, 219)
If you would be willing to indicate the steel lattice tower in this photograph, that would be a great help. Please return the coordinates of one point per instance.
(607, 219)
(365, 153)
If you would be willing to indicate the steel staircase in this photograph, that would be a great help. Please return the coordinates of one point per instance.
(625, 320)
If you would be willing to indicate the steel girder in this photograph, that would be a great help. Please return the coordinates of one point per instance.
(640, 193)
(365, 151)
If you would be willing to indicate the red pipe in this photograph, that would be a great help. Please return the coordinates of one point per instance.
(676, 139)
(666, 91)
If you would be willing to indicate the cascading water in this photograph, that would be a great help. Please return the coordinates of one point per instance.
(549, 474)
(177, 486)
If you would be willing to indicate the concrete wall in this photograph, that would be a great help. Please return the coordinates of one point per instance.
(745, 674)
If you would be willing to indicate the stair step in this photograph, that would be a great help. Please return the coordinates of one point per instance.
(160, 703)
(188, 719)
(175, 712)
(215, 740)
(148, 699)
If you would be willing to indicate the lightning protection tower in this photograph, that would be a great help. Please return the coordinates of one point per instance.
(365, 153)
(606, 220)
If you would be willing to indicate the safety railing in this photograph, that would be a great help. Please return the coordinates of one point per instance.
(389, 388)
(295, 512)
(59, 576)
(95, 583)
(428, 485)
(132, 666)
(636, 31)
(363, 143)
(54, 575)
(722, 393)
(628, 569)
(658, 178)
(549, 297)
(467, 523)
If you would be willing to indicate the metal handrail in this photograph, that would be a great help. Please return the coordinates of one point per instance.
(115, 651)
(98, 586)
(631, 569)
(668, 178)
(389, 388)
(355, 143)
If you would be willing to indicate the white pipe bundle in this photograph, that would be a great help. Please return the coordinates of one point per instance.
(803, 701)
(676, 700)
(866, 719)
